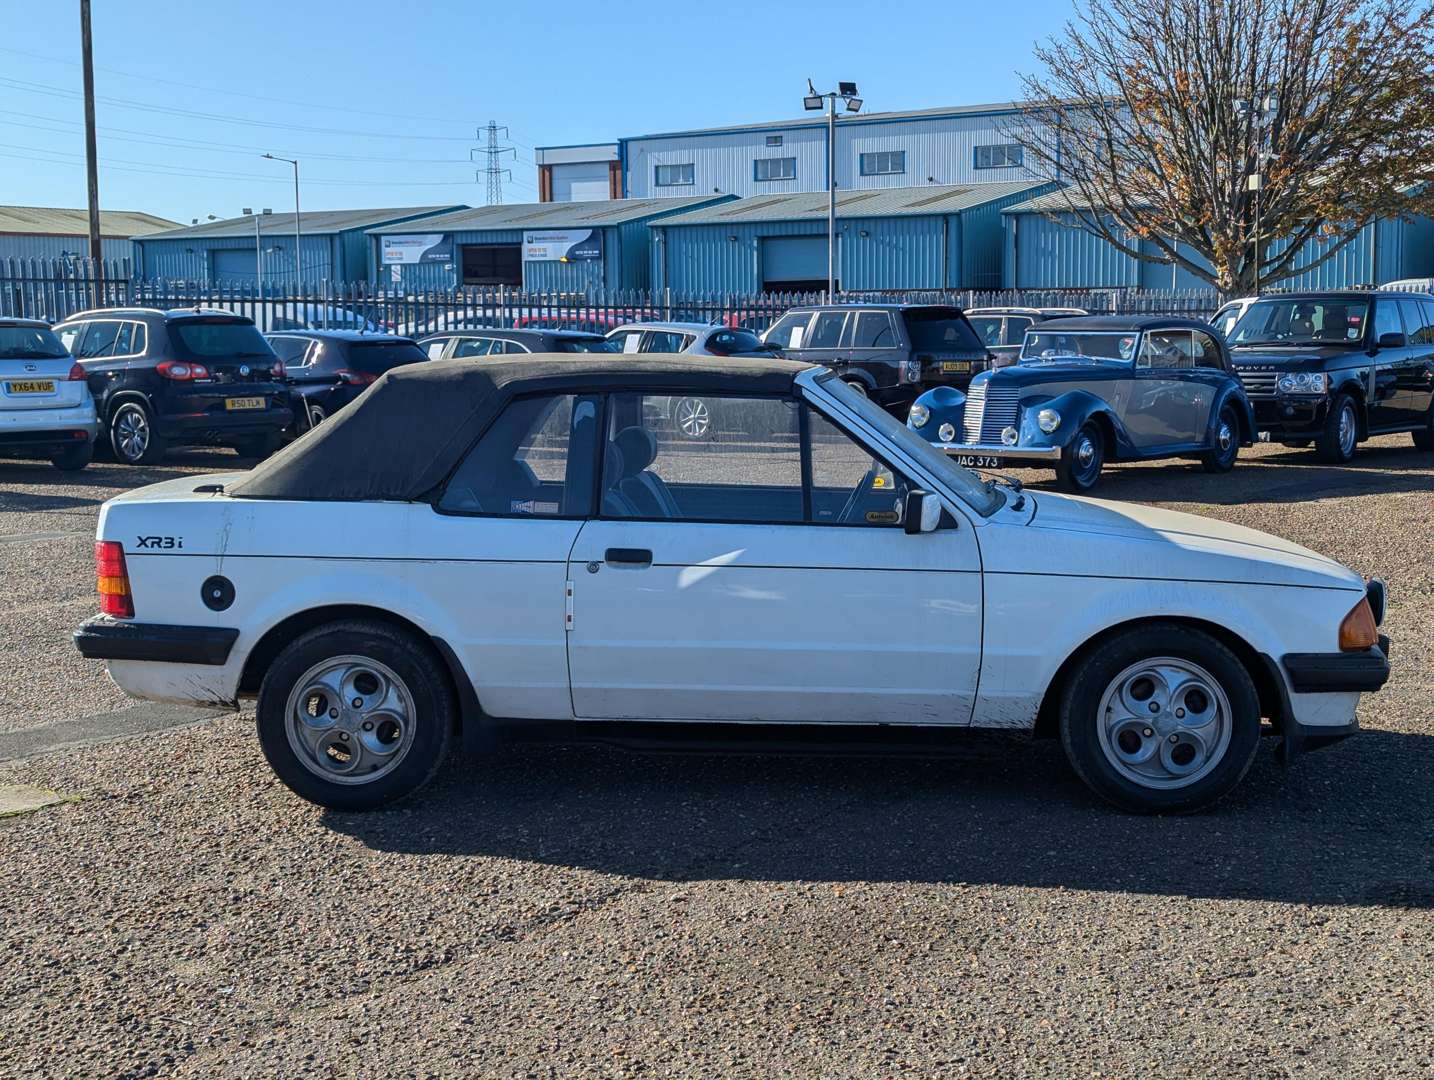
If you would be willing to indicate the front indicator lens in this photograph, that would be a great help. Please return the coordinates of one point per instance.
(947, 433)
(1048, 420)
(919, 415)
(1358, 632)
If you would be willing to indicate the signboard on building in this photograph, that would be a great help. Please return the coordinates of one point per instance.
(414, 248)
(563, 245)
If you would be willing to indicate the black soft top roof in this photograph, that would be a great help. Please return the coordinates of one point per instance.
(408, 430)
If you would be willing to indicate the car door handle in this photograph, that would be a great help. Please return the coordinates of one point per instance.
(635, 558)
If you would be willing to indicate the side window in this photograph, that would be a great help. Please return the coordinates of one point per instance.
(849, 486)
(1386, 319)
(100, 341)
(628, 341)
(1016, 327)
(826, 330)
(873, 331)
(1205, 354)
(291, 350)
(70, 337)
(473, 346)
(749, 470)
(1413, 320)
(664, 341)
(511, 347)
(790, 331)
(536, 460)
(140, 338)
(1167, 349)
(434, 349)
(1427, 308)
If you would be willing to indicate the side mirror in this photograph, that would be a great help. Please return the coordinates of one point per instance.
(922, 512)
(1392, 341)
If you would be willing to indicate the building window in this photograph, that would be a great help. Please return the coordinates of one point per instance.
(1001, 156)
(774, 140)
(674, 175)
(774, 168)
(883, 163)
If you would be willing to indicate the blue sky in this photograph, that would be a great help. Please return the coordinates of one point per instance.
(381, 100)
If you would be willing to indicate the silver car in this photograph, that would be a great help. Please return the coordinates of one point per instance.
(45, 405)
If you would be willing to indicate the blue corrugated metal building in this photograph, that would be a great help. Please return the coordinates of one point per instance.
(1046, 249)
(224, 252)
(933, 237)
(563, 247)
(49, 233)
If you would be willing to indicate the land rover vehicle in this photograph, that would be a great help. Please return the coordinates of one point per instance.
(533, 556)
(186, 376)
(1336, 368)
(1092, 390)
(1002, 329)
(45, 405)
(890, 352)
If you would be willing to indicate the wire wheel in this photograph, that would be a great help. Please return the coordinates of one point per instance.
(350, 720)
(1164, 723)
(692, 417)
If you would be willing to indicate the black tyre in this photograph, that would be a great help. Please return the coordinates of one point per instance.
(1082, 459)
(317, 415)
(1424, 437)
(259, 446)
(73, 458)
(1161, 718)
(132, 436)
(858, 386)
(693, 419)
(1220, 458)
(355, 714)
(1336, 443)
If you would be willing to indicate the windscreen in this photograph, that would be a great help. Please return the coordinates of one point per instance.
(584, 345)
(1302, 322)
(1110, 345)
(204, 339)
(376, 357)
(30, 343)
(941, 330)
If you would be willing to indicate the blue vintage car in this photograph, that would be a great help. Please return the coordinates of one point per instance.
(1088, 390)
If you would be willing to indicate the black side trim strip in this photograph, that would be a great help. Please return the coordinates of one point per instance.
(103, 638)
(1328, 673)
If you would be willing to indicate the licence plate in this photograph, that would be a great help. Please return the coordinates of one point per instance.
(34, 386)
(978, 461)
(243, 403)
(956, 366)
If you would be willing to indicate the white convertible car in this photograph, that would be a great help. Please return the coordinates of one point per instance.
(478, 547)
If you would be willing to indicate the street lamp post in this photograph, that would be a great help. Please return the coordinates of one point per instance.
(815, 102)
(298, 232)
(1262, 112)
(258, 252)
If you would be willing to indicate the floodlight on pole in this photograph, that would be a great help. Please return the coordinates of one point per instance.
(813, 102)
(298, 232)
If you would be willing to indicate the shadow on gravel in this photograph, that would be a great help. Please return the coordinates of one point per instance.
(1350, 824)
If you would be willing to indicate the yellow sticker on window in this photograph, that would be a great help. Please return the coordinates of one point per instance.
(879, 481)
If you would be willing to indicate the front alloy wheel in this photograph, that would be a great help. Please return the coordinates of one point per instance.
(1337, 441)
(1081, 460)
(692, 418)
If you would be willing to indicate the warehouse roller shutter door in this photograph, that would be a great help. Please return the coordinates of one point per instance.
(794, 263)
(233, 266)
(585, 181)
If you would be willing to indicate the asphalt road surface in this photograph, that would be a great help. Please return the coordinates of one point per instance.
(563, 912)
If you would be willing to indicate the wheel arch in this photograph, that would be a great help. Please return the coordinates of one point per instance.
(115, 398)
(1273, 703)
(470, 718)
(1244, 412)
(1353, 387)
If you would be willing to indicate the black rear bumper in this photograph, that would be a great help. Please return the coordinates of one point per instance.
(103, 638)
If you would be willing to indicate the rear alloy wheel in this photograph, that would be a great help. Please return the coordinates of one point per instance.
(1424, 438)
(1337, 441)
(1220, 458)
(692, 418)
(1161, 719)
(73, 458)
(132, 435)
(355, 714)
(1082, 459)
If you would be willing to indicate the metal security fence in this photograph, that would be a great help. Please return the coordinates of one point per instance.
(55, 291)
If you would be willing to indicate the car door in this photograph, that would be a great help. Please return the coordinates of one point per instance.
(764, 576)
(1163, 407)
(1421, 382)
(1412, 379)
(1387, 365)
(870, 343)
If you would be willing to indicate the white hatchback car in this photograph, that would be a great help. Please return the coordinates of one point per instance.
(529, 549)
(46, 409)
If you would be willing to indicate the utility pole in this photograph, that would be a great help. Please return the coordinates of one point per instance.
(92, 166)
(298, 232)
(494, 152)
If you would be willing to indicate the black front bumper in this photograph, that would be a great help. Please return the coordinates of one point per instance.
(104, 638)
(1338, 673)
(1290, 417)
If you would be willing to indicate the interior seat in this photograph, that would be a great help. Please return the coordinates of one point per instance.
(646, 490)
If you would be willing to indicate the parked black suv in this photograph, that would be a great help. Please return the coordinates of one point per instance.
(892, 352)
(329, 368)
(1334, 368)
(187, 376)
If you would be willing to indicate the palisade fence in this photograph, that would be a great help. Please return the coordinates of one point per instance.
(53, 291)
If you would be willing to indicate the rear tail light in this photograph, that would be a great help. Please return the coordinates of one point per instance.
(77, 374)
(180, 371)
(112, 579)
(278, 370)
(1358, 631)
(356, 378)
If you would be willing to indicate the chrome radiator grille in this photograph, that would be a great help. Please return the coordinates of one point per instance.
(1259, 383)
(988, 412)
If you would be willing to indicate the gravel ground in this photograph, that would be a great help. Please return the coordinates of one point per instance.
(583, 912)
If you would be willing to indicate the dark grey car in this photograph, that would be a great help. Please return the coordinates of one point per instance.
(455, 343)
